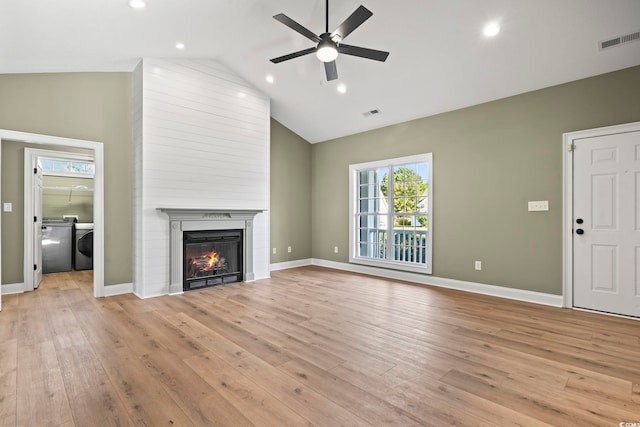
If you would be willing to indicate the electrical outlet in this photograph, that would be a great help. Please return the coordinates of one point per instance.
(289, 249)
(335, 249)
(540, 205)
(7, 207)
(274, 251)
(478, 265)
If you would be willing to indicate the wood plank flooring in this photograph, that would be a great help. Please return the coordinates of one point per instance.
(310, 346)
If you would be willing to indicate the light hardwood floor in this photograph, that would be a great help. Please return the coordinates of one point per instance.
(310, 346)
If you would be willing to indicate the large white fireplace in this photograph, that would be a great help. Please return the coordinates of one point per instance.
(213, 268)
(201, 138)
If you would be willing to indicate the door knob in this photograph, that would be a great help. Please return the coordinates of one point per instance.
(579, 221)
(580, 231)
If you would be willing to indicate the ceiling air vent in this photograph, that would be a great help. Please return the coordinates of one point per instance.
(371, 112)
(616, 41)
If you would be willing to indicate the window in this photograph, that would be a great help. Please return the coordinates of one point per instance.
(67, 167)
(390, 213)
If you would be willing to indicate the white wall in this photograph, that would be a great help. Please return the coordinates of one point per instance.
(205, 144)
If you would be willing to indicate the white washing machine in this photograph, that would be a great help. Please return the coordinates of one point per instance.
(83, 246)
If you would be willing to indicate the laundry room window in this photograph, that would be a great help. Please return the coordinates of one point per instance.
(391, 221)
(67, 168)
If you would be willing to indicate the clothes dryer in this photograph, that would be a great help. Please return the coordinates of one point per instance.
(83, 246)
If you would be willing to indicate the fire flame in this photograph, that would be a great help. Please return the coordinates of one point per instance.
(208, 261)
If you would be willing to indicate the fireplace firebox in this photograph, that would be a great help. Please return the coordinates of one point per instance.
(212, 257)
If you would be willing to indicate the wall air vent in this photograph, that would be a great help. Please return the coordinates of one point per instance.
(617, 41)
(371, 112)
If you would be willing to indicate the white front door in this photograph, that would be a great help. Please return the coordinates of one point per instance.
(606, 223)
(37, 224)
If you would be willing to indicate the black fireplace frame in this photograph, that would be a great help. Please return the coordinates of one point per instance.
(218, 277)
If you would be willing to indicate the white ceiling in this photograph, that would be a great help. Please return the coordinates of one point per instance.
(439, 59)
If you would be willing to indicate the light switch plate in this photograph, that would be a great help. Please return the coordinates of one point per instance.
(540, 205)
(7, 207)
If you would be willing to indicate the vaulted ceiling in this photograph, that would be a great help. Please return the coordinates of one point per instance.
(440, 60)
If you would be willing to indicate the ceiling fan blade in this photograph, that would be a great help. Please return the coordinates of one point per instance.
(356, 19)
(281, 17)
(331, 70)
(377, 55)
(293, 55)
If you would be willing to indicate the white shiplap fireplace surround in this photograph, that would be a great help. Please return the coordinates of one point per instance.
(201, 139)
(181, 220)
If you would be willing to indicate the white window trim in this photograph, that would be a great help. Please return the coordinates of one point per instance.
(353, 203)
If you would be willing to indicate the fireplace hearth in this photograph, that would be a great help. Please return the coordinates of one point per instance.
(211, 258)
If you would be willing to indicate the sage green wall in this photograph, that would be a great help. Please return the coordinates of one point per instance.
(290, 210)
(91, 106)
(489, 160)
(59, 197)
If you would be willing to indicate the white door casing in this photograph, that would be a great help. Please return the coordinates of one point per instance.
(37, 224)
(602, 220)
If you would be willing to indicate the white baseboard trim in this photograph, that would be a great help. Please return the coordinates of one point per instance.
(122, 288)
(13, 288)
(478, 288)
(154, 295)
(290, 264)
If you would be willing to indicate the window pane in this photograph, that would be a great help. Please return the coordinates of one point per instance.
(46, 164)
(59, 166)
(409, 245)
(372, 236)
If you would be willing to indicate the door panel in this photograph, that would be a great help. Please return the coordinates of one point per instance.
(607, 201)
(605, 206)
(604, 261)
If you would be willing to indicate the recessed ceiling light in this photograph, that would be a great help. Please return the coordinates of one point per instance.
(270, 79)
(180, 46)
(491, 29)
(342, 88)
(137, 4)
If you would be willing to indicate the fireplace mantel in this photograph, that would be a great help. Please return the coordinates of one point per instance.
(190, 219)
(198, 214)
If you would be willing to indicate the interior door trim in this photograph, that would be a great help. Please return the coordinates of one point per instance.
(569, 140)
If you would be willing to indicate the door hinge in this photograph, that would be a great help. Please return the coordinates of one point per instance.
(35, 219)
(35, 267)
(35, 171)
(571, 147)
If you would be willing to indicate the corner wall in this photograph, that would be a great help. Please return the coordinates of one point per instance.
(290, 195)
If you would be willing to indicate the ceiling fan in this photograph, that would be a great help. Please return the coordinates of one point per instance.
(330, 44)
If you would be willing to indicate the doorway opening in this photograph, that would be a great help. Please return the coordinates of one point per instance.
(62, 195)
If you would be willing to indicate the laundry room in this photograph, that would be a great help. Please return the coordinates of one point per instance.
(67, 215)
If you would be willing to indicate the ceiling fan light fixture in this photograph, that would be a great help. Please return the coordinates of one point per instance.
(327, 51)
(491, 29)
